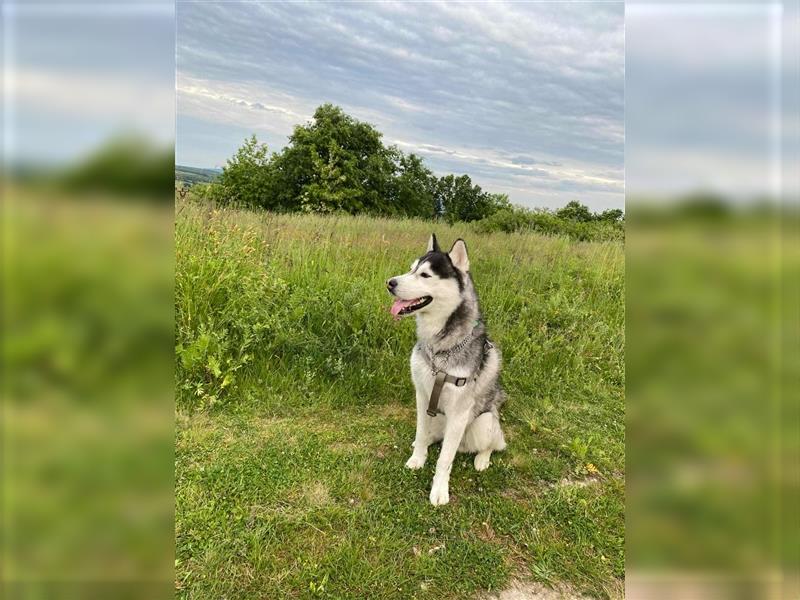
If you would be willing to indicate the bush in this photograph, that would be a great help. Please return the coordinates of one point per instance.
(516, 219)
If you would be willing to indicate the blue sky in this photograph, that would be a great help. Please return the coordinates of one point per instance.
(526, 98)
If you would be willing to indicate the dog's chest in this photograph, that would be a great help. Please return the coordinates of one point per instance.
(423, 379)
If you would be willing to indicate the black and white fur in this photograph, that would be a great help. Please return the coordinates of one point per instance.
(451, 333)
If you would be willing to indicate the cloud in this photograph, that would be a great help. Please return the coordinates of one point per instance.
(216, 93)
(542, 172)
(494, 90)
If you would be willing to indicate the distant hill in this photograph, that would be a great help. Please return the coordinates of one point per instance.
(192, 175)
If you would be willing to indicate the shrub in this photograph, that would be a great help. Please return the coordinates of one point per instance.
(516, 219)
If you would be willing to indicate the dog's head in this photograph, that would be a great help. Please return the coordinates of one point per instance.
(434, 283)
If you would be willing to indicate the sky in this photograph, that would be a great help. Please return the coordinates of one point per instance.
(711, 99)
(526, 98)
(76, 74)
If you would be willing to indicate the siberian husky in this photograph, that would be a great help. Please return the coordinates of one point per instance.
(451, 342)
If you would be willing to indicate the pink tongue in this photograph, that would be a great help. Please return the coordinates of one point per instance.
(400, 305)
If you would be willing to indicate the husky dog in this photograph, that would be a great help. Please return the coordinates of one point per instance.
(452, 342)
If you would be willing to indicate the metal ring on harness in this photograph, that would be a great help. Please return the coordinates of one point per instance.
(436, 391)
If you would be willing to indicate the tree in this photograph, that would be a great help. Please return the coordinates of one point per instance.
(128, 165)
(575, 211)
(499, 202)
(444, 197)
(415, 187)
(457, 199)
(246, 178)
(612, 215)
(334, 163)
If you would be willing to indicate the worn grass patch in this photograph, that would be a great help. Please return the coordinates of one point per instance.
(295, 416)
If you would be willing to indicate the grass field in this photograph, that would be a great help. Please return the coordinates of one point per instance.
(295, 415)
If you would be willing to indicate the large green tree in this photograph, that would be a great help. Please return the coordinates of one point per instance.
(334, 163)
(414, 187)
(457, 199)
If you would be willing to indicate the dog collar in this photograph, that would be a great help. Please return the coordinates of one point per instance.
(452, 349)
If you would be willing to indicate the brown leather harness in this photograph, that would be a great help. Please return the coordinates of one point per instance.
(441, 376)
(438, 384)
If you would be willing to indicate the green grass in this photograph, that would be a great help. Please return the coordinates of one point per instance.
(296, 414)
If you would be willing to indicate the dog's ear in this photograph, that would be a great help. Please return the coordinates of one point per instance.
(458, 254)
(433, 245)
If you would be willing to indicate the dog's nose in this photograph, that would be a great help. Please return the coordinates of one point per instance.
(391, 284)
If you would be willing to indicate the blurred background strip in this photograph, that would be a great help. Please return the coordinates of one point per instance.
(712, 302)
(87, 385)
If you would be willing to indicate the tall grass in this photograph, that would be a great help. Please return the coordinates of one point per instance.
(301, 299)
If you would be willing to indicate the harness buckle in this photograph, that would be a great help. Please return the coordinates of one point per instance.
(461, 381)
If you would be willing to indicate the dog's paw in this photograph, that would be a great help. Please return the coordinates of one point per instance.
(440, 495)
(482, 461)
(415, 462)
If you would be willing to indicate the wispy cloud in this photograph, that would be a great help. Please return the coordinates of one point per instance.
(205, 93)
(522, 96)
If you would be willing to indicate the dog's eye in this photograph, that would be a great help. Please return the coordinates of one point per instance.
(424, 275)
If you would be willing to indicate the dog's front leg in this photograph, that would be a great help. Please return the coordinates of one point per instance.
(422, 438)
(453, 433)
